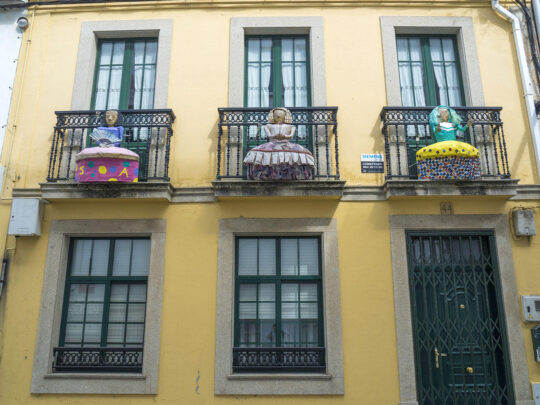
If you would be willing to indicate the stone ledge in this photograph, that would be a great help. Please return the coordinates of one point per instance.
(412, 188)
(301, 188)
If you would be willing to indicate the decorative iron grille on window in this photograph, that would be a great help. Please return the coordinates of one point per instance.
(405, 130)
(240, 129)
(94, 359)
(146, 132)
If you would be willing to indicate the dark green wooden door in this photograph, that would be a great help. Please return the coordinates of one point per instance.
(459, 339)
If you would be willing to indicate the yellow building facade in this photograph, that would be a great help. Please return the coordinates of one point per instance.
(418, 282)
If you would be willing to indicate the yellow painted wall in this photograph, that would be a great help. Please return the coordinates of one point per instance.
(198, 86)
(198, 83)
(189, 299)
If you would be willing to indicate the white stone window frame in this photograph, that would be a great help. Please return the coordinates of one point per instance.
(44, 381)
(229, 383)
(93, 31)
(245, 26)
(461, 27)
(517, 359)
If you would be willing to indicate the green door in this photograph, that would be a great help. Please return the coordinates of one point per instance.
(459, 337)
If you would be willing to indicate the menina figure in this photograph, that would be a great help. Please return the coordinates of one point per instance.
(279, 159)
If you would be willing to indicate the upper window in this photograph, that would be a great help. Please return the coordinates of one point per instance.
(277, 72)
(104, 306)
(125, 74)
(429, 71)
(278, 306)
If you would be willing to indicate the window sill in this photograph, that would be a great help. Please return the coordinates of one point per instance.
(97, 376)
(280, 376)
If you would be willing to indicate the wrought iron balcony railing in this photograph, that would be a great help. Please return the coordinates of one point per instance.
(146, 132)
(98, 359)
(305, 359)
(406, 129)
(240, 129)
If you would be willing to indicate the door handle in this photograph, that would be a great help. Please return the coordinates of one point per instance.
(437, 355)
(470, 370)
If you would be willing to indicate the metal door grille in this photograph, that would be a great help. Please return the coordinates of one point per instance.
(458, 326)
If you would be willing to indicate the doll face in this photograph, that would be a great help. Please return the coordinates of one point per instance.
(279, 116)
(111, 117)
(445, 115)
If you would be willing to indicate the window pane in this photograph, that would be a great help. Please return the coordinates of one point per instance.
(75, 312)
(94, 312)
(115, 333)
(267, 257)
(135, 333)
(80, 263)
(118, 53)
(289, 310)
(136, 312)
(106, 52)
(122, 257)
(254, 49)
(448, 50)
(151, 52)
(117, 312)
(74, 332)
(308, 311)
(266, 50)
(100, 258)
(141, 257)
(289, 292)
(77, 293)
(92, 333)
(300, 50)
(286, 50)
(247, 256)
(248, 292)
(289, 256)
(415, 50)
(137, 293)
(309, 257)
(402, 45)
(115, 87)
(138, 51)
(119, 292)
(248, 310)
(96, 292)
(267, 292)
(308, 292)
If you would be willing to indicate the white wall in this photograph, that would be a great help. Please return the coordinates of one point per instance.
(10, 44)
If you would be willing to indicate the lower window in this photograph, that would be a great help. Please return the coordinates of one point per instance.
(278, 305)
(103, 317)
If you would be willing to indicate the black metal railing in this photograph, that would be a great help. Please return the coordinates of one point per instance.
(98, 359)
(240, 129)
(406, 129)
(146, 132)
(306, 359)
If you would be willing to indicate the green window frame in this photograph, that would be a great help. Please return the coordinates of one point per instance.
(276, 63)
(121, 277)
(125, 57)
(275, 266)
(449, 60)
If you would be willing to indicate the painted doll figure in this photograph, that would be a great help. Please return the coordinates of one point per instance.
(445, 123)
(110, 135)
(279, 159)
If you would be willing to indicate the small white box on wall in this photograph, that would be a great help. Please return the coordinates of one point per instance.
(524, 223)
(26, 216)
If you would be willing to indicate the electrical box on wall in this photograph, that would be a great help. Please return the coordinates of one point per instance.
(524, 223)
(25, 218)
(531, 308)
(536, 393)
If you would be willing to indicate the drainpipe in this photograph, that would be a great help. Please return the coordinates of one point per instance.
(536, 12)
(526, 79)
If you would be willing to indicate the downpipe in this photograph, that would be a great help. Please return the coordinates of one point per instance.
(526, 80)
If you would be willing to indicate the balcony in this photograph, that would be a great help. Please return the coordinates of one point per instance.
(279, 359)
(97, 359)
(146, 132)
(240, 129)
(406, 130)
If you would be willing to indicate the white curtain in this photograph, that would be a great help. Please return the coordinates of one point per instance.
(438, 68)
(109, 75)
(287, 71)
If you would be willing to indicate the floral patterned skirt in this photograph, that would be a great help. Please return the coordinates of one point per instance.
(279, 160)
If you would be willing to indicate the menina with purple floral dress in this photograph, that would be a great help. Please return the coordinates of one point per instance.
(279, 159)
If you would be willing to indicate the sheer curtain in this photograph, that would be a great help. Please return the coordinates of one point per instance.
(109, 78)
(259, 72)
(287, 72)
(411, 74)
